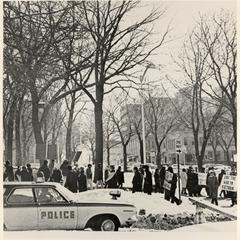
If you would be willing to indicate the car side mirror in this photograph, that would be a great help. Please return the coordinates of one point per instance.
(115, 194)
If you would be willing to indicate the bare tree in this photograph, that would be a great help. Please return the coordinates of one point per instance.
(124, 128)
(118, 48)
(218, 36)
(161, 119)
(204, 112)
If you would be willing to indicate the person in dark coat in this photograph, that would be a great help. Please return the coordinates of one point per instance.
(64, 169)
(137, 181)
(56, 175)
(82, 180)
(51, 166)
(25, 175)
(157, 180)
(18, 174)
(213, 187)
(192, 182)
(172, 191)
(71, 180)
(111, 182)
(8, 173)
(119, 177)
(106, 173)
(220, 176)
(29, 168)
(45, 169)
(147, 181)
(162, 177)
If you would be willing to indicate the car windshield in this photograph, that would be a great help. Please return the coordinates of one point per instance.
(67, 193)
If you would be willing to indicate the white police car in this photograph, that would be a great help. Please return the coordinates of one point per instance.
(50, 206)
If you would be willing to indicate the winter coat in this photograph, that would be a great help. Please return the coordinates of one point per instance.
(183, 177)
(192, 182)
(119, 177)
(162, 175)
(137, 182)
(220, 176)
(82, 182)
(64, 169)
(56, 175)
(71, 181)
(157, 179)
(46, 171)
(173, 185)
(30, 172)
(111, 182)
(8, 174)
(147, 184)
(213, 186)
(25, 176)
(89, 173)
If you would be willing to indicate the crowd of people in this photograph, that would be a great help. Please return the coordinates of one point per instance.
(78, 179)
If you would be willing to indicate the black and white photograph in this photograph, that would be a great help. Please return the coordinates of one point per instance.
(119, 116)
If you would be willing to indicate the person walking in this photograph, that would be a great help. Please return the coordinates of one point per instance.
(220, 176)
(147, 181)
(212, 184)
(89, 177)
(71, 180)
(8, 173)
(98, 178)
(64, 169)
(18, 174)
(183, 177)
(173, 187)
(56, 175)
(106, 173)
(233, 195)
(162, 177)
(136, 181)
(119, 177)
(157, 180)
(29, 168)
(45, 169)
(111, 182)
(51, 166)
(192, 182)
(25, 175)
(82, 180)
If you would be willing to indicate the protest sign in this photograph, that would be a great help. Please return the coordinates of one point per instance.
(229, 183)
(166, 185)
(202, 179)
(168, 176)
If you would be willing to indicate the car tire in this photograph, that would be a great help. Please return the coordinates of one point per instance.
(106, 224)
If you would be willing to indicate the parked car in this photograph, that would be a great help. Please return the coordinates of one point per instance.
(50, 206)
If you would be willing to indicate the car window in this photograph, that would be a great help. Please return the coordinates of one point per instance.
(21, 195)
(48, 195)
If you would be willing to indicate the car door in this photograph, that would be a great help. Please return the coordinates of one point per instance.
(54, 211)
(20, 210)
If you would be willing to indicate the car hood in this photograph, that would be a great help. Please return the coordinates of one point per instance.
(101, 196)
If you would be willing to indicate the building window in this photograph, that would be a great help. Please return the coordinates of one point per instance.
(185, 142)
(210, 155)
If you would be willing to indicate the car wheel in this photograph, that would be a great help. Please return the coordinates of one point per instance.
(107, 224)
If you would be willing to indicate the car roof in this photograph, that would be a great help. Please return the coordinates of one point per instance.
(30, 184)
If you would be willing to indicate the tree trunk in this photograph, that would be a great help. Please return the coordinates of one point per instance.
(158, 157)
(141, 150)
(69, 129)
(108, 156)
(9, 131)
(36, 123)
(234, 123)
(99, 140)
(124, 157)
(18, 133)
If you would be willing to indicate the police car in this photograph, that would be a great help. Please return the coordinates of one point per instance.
(50, 206)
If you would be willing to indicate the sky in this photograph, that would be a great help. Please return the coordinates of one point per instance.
(182, 16)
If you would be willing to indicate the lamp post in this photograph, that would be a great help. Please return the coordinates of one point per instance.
(150, 65)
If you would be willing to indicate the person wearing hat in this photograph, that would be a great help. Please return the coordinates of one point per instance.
(213, 186)
(89, 177)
